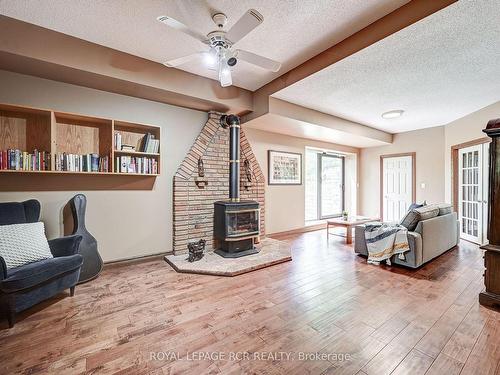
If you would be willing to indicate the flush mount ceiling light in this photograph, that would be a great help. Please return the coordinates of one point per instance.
(222, 56)
(393, 114)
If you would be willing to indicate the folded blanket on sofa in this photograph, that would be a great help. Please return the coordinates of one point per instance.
(385, 240)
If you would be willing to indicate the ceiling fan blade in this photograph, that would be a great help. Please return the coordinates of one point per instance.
(249, 21)
(173, 23)
(258, 60)
(182, 60)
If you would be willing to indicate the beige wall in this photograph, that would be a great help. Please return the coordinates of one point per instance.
(129, 224)
(134, 223)
(428, 145)
(285, 205)
(433, 148)
(126, 223)
(463, 130)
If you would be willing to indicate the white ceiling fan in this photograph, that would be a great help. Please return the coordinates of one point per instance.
(221, 54)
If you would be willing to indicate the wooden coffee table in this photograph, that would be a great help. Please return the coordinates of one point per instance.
(348, 224)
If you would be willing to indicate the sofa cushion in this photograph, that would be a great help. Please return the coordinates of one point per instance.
(410, 220)
(23, 243)
(427, 212)
(444, 209)
(36, 273)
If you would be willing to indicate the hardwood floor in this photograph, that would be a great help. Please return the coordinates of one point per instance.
(144, 318)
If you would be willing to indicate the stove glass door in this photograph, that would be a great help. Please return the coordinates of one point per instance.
(242, 223)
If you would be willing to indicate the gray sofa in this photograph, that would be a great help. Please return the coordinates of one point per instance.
(431, 238)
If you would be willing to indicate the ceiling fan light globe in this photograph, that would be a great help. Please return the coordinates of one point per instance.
(225, 78)
(210, 59)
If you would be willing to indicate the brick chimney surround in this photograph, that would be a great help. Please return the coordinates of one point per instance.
(193, 212)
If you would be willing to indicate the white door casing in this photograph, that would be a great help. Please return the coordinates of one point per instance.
(397, 187)
(472, 192)
(331, 185)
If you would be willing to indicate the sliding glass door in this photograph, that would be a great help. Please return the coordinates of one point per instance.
(330, 185)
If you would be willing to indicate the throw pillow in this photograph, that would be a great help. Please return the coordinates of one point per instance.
(410, 220)
(21, 244)
(444, 209)
(417, 205)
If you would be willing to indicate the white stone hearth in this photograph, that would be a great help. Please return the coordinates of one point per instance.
(271, 252)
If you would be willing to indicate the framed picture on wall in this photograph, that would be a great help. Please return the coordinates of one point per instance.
(284, 168)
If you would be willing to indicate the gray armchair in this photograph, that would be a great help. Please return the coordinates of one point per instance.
(25, 286)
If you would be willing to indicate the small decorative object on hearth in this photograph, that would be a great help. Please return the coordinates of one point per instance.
(345, 215)
(201, 181)
(247, 184)
(196, 250)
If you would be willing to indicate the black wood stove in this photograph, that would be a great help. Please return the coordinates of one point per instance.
(236, 222)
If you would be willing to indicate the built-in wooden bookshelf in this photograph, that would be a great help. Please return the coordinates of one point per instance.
(66, 134)
(132, 134)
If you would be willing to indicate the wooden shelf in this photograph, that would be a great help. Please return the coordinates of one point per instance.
(27, 129)
(136, 153)
(132, 134)
(135, 174)
(24, 128)
(79, 173)
(81, 135)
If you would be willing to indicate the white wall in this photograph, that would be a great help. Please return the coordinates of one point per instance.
(285, 205)
(428, 145)
(126, 223)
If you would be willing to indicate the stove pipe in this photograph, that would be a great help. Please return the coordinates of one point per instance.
(233, 123)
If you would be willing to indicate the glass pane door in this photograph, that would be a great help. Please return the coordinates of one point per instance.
(471, 193)
(331, 185)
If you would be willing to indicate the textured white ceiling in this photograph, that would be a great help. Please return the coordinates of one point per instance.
(437, 70)
(292, 32)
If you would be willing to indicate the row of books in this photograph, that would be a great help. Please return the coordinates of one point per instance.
(148, 143)
(41, 161)
(81, 163)
(23, 161)
(133, 164)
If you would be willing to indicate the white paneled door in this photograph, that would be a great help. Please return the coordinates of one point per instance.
(397, 187)
(472, 191)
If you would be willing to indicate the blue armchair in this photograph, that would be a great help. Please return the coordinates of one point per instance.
(25, 286)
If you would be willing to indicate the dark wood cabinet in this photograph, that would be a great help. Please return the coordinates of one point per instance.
(491, 295)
